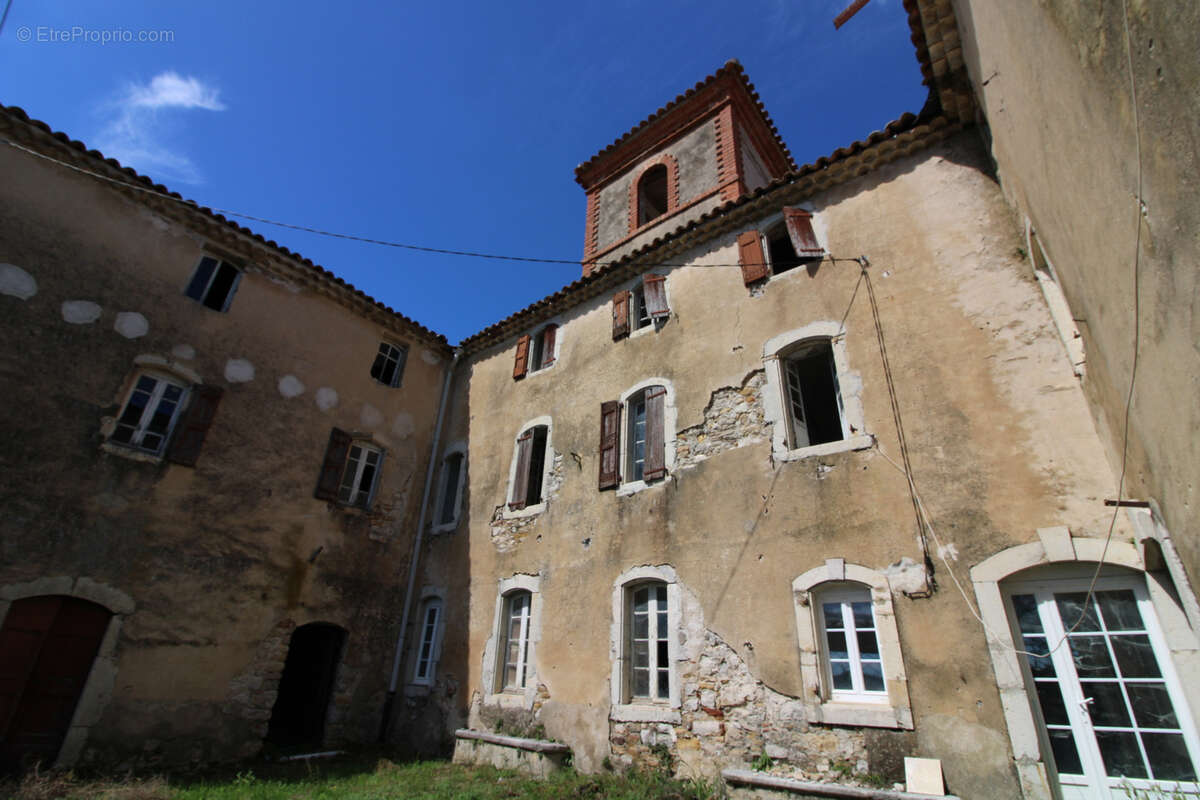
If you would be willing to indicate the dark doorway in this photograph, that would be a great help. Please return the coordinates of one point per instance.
(298, 718)
(47, 646)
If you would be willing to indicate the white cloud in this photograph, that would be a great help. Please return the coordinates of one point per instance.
(141, 118)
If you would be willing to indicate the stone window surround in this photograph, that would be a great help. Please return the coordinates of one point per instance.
(806, 589)
(849, 386)
(670, 417)
(1056, 545)
(547, 468)
(98, 688)
(458, 446)
(154, 366)
(491, 654)
(644, 710)
(428, 594)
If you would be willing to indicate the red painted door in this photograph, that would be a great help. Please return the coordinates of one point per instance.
(47, 646)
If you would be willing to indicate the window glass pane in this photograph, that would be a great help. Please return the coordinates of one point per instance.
(1121, 755)
(1070, 608)
(1135, 656)
(151, 442)
(1027, 616)
(364, 485)
(1151, 705)
(1108, 703)
(1054, 711)
(662, 623)
(510, 676)
(663, 659)
(872, 676)
(450, 490)
(641, 626)
(661, 593)
(160, 420)
(218, 291)
(833, 616)
(638, 435)
(1120, 610)
(641, 655)
(868, 645)
(1091, 657)
(837, 645)
(664, 684)
(840, 672)
(640, 600)
(380, 369)
(200, 278)
(1066, 755)
(1168, 757)
(862, 615)
(1040, 665)
(641, 683)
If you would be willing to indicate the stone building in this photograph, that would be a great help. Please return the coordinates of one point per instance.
(810, 463)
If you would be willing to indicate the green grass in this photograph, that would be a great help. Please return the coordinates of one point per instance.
(359, 778)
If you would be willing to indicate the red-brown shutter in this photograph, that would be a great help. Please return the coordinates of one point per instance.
(521, 479)
(548, 336)
(193, 427)
(799, 228)
(522, 365)
(620, 315)
(610, 444)
(335, 461)
(750, 254)
(654, 289)
(655, 465)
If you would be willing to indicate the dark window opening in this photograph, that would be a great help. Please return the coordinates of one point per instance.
(780, 250)
(453, 472)
(388, 366)
(537, 465)
(812, 395)
(639, 314)
(306, 686)
(652, 194)
(213, 283)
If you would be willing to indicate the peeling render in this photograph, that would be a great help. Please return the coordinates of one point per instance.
(732, 418)
(510, 528)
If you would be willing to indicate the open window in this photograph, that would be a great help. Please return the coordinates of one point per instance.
(813, 400)
(529, 467)
(779, 247)
(164, 416)
(350, 472)
(536, 351)
(214, 283)
(652, 194)
(643, 305)
(388, 366)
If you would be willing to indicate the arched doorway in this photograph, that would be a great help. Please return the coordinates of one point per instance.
(306, 686)
(47, 647)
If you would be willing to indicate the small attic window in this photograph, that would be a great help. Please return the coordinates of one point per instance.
(652, 194)
(780, 251)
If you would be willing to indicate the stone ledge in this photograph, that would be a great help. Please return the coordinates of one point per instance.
(760, 780)
(532, 745)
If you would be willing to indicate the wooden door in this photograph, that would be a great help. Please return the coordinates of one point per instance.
(47, 646)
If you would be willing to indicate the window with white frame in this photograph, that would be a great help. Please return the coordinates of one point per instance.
(360, 475)
(449, 489)
(541, 353)
(635, 449)
(213, 283)
(648, 654)
(529, 469)
(428, 649)
(514, 644)
(850, 658)
(388, 367)
(149, 414)
(814, 401)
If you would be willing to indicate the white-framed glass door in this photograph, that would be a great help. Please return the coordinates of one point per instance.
(1112, 712)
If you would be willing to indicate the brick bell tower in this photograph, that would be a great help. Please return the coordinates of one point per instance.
(710, 145)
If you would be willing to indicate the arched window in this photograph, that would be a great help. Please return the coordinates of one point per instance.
(652, 194)
(646, 611)
(510, 655)
(514, 644)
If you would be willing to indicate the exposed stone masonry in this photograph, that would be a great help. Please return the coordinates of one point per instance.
(510, 531)
(733, 418)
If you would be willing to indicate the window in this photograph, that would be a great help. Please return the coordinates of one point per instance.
(529, 467)
(851, 656)
(388, 367)
(149, 414)
(788, 244)
(850, 660)
(350, 471)
(213, 283)
(813, 400)
(536, 352)
(643, 305)
(514, 647)
(164, 417)
(652, 194)
(649, 643)
(430, 643)
(448, 495)
(634, 447)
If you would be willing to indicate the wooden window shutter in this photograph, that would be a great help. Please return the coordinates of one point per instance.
(655, 466)
(335, 461)
(620, 315)
(522, 365)
(610, 444)
(193, 427)
(750, 254)
(654, 288)
(799, 228)
(521, 479)
(549, 334)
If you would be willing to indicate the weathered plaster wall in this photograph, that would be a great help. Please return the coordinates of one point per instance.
(221, 561)
(1066, 148)
(1001, 439)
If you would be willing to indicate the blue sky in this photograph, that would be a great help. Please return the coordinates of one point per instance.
(453, 125)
